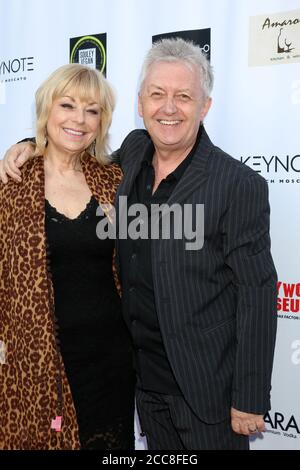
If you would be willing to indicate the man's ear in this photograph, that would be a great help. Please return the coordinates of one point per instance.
(205, 108)
(140, 105)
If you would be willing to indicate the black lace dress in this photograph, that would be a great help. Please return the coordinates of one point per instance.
(94, 341)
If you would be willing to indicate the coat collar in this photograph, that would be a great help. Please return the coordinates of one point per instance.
(195, 175)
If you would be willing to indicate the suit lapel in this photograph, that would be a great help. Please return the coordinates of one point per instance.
(196, 173)
(131, 170)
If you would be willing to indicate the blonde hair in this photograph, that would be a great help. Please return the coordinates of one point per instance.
(87, 84)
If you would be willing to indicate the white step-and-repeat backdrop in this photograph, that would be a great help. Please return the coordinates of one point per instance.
(254, 47)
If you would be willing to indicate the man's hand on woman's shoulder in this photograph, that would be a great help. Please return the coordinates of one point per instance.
(14, 159)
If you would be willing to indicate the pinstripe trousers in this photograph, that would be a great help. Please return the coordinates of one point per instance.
(169, 424)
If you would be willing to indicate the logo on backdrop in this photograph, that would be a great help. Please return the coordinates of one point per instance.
(201, 37)
(283, 169)
(288, 300)
(275, 38)
(89, 50)
(16, 69)
(282, 425)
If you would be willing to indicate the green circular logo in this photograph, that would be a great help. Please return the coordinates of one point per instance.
(90, 51)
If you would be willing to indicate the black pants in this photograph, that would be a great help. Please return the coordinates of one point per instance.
(169, 424)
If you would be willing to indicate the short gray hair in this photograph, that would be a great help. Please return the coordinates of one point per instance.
(179, 50)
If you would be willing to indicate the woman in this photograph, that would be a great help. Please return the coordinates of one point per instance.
(66, 381)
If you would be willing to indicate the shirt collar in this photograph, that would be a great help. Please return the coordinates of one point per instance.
(178, 172)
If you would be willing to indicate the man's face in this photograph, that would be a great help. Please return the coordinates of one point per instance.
(172, 105)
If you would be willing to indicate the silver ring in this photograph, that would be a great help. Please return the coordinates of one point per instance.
(254, 431)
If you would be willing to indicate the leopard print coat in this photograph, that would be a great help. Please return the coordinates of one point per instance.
(34, 390)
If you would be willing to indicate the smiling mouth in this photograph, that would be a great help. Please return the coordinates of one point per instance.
(73, 132)
(169, 123)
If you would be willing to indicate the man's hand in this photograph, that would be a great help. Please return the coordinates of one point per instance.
(14, 158)
(246, 423)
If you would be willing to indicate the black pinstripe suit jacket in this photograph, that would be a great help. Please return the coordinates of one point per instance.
(216, 306)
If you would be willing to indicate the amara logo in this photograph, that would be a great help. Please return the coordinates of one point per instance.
(282, 39)
(275, 39)
(282, 45)
(268, 23)
(279, 422)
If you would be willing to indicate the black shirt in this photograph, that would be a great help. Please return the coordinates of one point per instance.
(153, 367)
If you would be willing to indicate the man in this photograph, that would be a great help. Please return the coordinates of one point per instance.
(202, 316)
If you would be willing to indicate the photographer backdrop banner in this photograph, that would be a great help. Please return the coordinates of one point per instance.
(254, 47)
